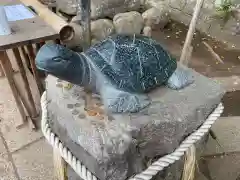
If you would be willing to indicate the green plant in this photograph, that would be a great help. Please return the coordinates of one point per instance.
(224, 11)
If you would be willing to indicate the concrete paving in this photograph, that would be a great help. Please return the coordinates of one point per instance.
(35, 161)
(6, 166)
(31, 155)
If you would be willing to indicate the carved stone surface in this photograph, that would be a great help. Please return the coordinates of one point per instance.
(173, 172)
(128, 23)
(120, 68)
(116, 148)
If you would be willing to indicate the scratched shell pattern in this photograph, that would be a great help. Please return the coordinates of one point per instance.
(132, 63)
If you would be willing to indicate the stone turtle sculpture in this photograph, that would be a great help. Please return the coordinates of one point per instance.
(121, 68)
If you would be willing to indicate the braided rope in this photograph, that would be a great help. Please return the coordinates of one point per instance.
(147, 174)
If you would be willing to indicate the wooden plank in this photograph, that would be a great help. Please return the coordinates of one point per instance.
(60, 166)
(33, 112)
(25, 56)
(34, 68)
(5, 62)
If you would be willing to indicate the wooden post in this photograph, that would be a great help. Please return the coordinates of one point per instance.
(191, 31)
(6, 65)
(1, 71)
(32, 113)
(60, 166)
(34, 68)
(189, 164)
(25, 56)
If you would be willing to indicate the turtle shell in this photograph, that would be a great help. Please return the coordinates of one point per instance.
(132, 63)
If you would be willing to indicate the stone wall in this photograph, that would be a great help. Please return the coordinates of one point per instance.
(182, 10)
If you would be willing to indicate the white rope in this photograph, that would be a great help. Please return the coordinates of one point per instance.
(147, 174)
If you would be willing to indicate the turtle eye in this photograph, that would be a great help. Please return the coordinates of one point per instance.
(57, 59)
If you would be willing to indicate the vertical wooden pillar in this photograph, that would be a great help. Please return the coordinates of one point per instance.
(33, 112)
(60, 166)
(1, 71)
(34, 68)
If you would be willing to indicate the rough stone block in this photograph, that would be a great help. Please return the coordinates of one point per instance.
(123, 145)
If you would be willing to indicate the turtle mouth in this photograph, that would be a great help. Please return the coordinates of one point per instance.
(48, 71)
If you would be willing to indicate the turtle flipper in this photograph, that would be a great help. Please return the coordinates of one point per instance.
(181, 78)
(117, 101)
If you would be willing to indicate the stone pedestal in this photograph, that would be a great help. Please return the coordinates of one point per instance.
(116, 146)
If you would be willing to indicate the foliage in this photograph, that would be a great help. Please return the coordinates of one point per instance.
(224, 11)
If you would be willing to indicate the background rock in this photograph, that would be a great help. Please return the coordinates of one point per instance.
(109, 8)
(101, 8)
(67, 6)
(101, 29)
(154, 16)
(128, 23)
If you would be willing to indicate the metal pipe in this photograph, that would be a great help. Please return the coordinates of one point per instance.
(84, 13)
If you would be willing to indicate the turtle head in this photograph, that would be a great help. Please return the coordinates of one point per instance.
(59, 61)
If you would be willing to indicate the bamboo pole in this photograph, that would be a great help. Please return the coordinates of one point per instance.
(65, 30)
(191, 31)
